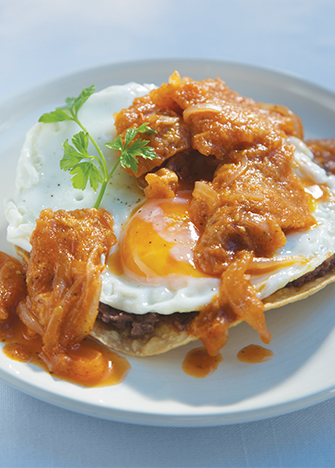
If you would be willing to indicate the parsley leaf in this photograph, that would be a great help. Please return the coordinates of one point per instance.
(129, 151)
(80, 164)
(84, 172)
(86, 168)
(59, 115)
(70, 110)
(71, 157)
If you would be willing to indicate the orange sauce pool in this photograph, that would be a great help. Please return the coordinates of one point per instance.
(254, 354)
(199, 364)
(91, 364)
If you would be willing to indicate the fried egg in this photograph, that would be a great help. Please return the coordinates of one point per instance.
(151, 269)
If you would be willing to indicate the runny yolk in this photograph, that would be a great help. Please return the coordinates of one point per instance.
(159, 240)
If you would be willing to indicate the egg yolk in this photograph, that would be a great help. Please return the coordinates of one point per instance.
(158, 241)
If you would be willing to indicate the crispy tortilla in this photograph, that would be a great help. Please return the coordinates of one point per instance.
(164, 338)
(167, 336)
(291, 294)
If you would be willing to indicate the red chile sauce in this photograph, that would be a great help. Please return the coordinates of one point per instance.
(98, 365)
(199, 364)
(254, 354)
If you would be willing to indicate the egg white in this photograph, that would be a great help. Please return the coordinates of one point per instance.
(40, 184)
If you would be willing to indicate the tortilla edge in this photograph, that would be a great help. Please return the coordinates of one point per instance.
(166, 339)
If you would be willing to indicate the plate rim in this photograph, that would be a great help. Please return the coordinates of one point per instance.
(274, 71)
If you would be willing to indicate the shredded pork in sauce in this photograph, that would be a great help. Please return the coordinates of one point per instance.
(63, 280)
(248, 204)
(13, 287)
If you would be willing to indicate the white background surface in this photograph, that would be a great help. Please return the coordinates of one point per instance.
(41, 40)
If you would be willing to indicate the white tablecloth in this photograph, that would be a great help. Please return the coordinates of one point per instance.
(40, 40)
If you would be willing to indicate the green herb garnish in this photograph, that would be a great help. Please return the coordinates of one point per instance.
(89, 168)
(129, 150)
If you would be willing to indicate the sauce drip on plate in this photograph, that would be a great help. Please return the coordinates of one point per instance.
(199, 364)
(95, 364)
(254, 354)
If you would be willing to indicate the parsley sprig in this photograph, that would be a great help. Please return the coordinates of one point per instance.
(86, 168)
(129, 150)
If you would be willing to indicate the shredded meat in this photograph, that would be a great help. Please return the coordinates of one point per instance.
(249, 205)
(161, 184)
(207, 116)
(222, 121)
(245, 203)
(237, 299)
(172, 135)
(63, 279)
(12, 284)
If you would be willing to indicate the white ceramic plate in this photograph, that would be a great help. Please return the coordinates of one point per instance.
(156, 391)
